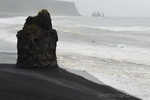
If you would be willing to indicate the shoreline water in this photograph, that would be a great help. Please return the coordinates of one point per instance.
(10, 58)
(118, 58)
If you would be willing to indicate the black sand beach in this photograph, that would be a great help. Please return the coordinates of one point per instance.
(52, 84)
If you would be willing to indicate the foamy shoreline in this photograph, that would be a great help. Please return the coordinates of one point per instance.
(114, 50)
(68, 60)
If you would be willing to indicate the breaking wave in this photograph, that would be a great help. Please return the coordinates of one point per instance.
(120, 29)
(120, 53)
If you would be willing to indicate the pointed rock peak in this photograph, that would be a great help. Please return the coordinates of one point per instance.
(42, 20)
(43, 11)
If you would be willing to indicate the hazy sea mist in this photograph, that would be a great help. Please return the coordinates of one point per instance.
(116, 50)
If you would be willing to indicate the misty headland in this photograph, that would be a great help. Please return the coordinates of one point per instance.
(31, 7)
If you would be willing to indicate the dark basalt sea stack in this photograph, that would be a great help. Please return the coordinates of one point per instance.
(37, 42)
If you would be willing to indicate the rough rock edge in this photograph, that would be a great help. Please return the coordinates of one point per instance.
(37, 42)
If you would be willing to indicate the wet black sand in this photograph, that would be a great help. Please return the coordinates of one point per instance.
(52, 84)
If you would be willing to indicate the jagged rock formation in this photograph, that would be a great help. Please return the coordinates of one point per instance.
(25, 7)
(37, 42)
(94, 14)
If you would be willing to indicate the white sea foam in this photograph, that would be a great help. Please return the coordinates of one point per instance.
(120, 53)
(117, 55)
(6, 36)
(127, 81)
(134, 28)
(15, 20)
(123, 67)
(9, 28)
(120, 29)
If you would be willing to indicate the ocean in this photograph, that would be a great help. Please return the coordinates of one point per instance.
(116, 50)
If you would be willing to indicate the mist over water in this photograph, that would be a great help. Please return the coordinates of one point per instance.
(116, 50)
(130, 8)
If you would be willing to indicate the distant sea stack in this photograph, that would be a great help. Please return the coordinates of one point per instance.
(94, 14)
(98, 14)
(26, 7)
(37, 42)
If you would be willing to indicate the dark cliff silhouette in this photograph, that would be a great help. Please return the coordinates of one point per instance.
(37, 42)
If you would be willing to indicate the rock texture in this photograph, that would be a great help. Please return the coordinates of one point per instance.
(37, 42)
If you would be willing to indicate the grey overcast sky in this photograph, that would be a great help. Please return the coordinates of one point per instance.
(114, 7)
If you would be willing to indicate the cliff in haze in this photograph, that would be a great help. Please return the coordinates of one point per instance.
(29, 7)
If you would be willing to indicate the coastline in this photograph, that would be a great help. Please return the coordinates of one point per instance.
(129, 77)
(9, 58)
(52, 84)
